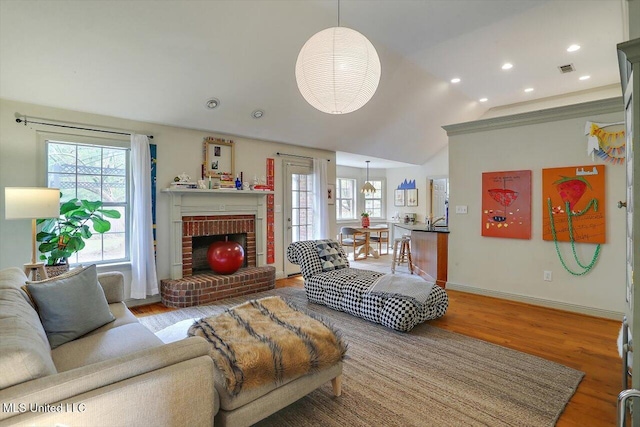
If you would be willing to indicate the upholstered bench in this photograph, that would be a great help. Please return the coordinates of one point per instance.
(397, 302)
(267, 355)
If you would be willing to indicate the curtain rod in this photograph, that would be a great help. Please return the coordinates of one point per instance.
(74, 127)
(297, 155)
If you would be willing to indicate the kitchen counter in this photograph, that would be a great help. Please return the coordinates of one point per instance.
(420, 226)
(429, 251)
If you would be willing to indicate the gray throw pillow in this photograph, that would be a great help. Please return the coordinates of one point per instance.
(70, 305)
(330, 255)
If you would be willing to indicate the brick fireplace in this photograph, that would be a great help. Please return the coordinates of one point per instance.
(217, 216)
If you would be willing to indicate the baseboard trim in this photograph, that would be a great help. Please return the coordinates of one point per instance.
(137, 302)
(575, 308)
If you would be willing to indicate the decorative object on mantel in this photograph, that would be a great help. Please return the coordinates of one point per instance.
(568, 216)
(365, 219)
(218, 157)
(338, 70)
(506, 204)
(607, 141)
(368, 187)
(32, 203)
(407, 185)
(183, 181)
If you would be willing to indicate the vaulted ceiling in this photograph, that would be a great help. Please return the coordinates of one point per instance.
(160, 61)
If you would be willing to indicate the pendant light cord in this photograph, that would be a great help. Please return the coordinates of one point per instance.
(338, 13)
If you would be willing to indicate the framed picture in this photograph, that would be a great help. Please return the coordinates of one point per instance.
(331, 194)
(412, 197)
(218, 157)
(398, 199)
(506, 204)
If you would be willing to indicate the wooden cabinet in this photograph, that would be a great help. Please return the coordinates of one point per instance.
(430, 251)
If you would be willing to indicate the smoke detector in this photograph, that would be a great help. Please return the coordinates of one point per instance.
(212, 103)
(564, 69)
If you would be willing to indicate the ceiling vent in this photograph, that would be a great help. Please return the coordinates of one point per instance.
(566, 68)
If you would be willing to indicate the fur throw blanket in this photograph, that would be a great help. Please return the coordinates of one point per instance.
(268, 341)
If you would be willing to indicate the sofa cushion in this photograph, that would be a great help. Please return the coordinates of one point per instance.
(70, 305)
(112, 343)
(24, 350)
(305, 254)
(331, 257)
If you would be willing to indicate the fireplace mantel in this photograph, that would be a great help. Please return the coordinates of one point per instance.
(195, 202)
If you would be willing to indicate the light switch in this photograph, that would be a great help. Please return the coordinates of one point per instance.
(461, 209)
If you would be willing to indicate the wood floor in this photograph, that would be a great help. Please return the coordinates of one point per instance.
(581, 342)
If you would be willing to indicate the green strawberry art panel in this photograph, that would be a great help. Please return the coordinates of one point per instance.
(574, 196)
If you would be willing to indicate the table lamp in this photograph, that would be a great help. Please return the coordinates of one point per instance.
(32, 203)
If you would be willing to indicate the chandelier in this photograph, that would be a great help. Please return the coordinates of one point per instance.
(368, 187)
(338, 70)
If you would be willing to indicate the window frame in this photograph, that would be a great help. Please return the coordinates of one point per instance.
(49, 137)
(380, 197)
(353, 199)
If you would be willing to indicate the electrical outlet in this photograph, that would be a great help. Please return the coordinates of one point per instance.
(222, 207)
(547, 276)
(461, 209)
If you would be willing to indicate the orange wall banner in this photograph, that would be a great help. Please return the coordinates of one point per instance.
(574, 196)
(506, 204)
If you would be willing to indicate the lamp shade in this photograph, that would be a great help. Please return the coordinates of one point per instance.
(31, 202)
(338, 70)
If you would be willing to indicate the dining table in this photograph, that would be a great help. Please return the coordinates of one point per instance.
(367, 249)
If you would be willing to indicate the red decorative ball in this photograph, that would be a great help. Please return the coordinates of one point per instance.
(225, 257)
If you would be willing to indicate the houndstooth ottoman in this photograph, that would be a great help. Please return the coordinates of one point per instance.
(329, 280)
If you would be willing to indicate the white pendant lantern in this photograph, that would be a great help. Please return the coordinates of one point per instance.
(338, 70)
(368, 187)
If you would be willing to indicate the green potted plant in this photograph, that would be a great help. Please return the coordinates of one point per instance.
(63, 236)
(365, 219)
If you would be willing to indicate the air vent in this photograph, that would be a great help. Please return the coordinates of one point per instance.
(566, 68)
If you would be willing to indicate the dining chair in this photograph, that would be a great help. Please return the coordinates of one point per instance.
(351, 237)
(382, 237)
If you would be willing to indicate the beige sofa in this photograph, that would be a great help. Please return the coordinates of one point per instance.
(120, 374)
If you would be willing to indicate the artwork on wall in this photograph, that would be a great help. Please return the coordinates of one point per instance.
(506, 204)
(331, 194)
(153, 149)
(407, 185)
(574, 198)
(271, 223)
(607, 141)
(218, 158)
(398, 199)
(412, 197)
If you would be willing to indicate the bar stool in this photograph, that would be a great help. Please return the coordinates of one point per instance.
(402, 252)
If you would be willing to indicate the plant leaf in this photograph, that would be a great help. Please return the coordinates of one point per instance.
(110, 213)
(101, 225)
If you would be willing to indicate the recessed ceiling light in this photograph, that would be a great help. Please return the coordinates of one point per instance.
(455, 80)
(212, 103)
(257, 114)
(573, 48)
(529, 89)
(585, 77)
(507, 66)
(483, 99)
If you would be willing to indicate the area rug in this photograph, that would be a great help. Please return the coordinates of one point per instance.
(427, 377)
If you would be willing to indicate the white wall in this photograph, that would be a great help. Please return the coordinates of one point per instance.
(179, 150)
(437, 166)
(514, 268)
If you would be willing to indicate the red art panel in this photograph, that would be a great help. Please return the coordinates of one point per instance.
(271, 241)
(506, 204)
(574, 198)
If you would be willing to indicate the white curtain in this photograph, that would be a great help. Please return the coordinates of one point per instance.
(321, 203)
(144, 280)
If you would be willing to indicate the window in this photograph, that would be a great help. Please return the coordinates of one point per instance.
(94, 172)
(373, 201)
(345, 199)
